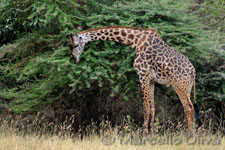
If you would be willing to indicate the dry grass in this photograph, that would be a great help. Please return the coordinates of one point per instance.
(17, 135)
(94, 142)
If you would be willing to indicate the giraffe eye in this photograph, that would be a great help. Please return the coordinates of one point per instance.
(71, 46)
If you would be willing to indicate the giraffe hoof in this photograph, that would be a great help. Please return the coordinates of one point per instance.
(146, 133)
(189, 133)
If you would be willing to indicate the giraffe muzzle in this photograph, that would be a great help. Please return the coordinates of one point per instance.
(76, 60)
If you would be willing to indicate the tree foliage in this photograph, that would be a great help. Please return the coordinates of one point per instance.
(35, 66)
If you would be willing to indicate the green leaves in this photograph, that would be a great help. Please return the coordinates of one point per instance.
(39, 71)
(21, 17)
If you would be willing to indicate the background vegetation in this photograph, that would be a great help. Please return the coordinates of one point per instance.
(37, 74)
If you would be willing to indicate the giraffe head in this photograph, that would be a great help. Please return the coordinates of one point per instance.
(76, 43)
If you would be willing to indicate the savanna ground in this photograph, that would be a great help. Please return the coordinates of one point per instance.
(94, 142)
(13, 136)
(47, 102)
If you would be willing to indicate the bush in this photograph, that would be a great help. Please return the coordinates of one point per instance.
(37, 73)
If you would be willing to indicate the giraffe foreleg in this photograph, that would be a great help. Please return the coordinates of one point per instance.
(152, 106)
(147, 88)
(146, 104)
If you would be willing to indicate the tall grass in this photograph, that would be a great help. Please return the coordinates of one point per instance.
(28, 142)
(16, 133)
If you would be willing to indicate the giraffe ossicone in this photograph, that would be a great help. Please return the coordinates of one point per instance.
(155, 62)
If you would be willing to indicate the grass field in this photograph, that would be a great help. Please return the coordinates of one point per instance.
(17, 134)
(15, 141)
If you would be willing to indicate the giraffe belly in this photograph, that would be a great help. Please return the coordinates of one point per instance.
(163, 81)
(157, 78)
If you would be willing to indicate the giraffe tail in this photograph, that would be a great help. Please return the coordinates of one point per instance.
(194, 91)
(196, 108)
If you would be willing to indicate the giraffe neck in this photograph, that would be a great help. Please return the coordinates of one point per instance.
(134, 37)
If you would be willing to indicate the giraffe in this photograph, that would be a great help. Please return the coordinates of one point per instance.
(155, 62)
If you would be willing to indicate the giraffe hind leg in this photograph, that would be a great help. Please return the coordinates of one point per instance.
(146, 104)
(184, 95)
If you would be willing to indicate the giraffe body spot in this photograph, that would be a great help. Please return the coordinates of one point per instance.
(123, 33)
(131, 36)
(116, 33)
(155, 46)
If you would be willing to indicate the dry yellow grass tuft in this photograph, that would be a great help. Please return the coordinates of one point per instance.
(14, 141)
(18, 135)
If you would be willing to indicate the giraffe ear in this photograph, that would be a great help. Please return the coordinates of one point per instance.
(69, 35)
(77, 35)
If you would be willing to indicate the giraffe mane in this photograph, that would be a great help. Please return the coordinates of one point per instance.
(123, 27)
